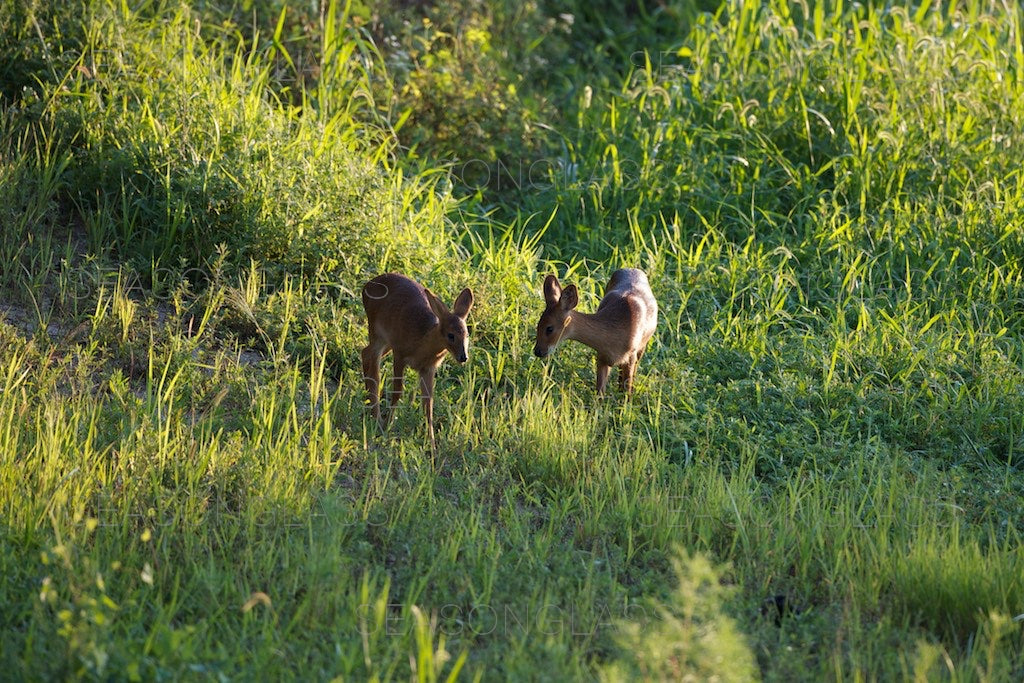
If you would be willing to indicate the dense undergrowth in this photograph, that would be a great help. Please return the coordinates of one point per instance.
(818, 476)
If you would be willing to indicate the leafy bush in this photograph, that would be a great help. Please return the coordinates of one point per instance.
(461, 81)
(691, 638)
(179, 145)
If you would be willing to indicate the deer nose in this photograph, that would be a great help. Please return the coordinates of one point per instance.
(462, 357)
(539, 352)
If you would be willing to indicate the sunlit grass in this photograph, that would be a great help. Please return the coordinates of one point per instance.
(818, 476)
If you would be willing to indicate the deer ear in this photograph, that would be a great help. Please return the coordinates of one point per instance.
(552, 289)
(463, 303)
(570, 297)
(436, 305)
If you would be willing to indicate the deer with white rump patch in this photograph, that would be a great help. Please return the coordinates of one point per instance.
(405, 318)
(619, 330)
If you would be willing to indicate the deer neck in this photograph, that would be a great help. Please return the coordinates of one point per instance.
(586, 328)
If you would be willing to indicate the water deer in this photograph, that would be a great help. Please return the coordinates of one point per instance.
(619, 330)
(405, 318)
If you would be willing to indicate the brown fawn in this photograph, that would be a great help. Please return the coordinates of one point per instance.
(619, 331)
(406, 319)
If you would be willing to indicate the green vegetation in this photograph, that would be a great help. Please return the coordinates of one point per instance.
(818, 478)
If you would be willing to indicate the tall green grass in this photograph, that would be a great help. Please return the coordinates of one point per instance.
(818, 476)
(178, 142)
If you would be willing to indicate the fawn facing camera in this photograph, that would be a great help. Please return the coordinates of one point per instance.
(406, 319)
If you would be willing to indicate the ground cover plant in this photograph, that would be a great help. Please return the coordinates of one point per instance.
(818, 476)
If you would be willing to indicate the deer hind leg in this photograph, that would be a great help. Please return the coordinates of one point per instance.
(397, 383)
(603, 370)
(630, 370)
(371, 376)
(427, 389)
(626, 374)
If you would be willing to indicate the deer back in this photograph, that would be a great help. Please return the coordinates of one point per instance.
(399, 313)
(628, 306)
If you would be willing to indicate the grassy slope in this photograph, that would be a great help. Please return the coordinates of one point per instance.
(831, 412)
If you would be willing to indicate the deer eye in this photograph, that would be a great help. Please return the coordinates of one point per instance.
(451, 337)
(550, 330)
